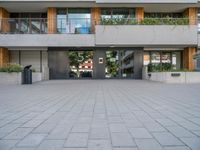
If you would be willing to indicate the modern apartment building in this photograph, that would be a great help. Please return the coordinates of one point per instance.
(122, 35)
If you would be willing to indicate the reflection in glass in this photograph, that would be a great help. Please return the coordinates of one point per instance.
(155, 57)
(166, 57)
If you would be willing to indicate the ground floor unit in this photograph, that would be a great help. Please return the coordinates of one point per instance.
(100, 115)
(100, 62)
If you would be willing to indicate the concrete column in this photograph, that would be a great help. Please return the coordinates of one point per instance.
(96, 16)
(188, 62)
(138, 64)
(191, 13)
(4, 56)
(4, 24)
(51, 16)
(139, 14)
(98, 66)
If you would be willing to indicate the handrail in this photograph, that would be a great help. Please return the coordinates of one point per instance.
(80, 25)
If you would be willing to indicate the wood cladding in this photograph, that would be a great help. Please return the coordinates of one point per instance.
(4, 25)
(191, 13)
(4, 56)
(139, 14)
(96, 14)
(188, 62)
(51, 15)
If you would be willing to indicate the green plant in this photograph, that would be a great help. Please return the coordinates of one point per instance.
(160, 67)
(11, 68)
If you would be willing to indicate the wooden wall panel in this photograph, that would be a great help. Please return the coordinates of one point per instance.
(96, 16)
(139, 14)
(188, 62)
(4, 56)
(51, 15)
(191, 13)
(4, 24)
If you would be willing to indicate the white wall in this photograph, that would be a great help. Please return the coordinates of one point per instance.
(29, 57)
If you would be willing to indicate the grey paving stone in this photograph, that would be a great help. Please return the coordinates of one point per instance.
(79, 140)
(167, 139)
(117, 127)
(177, 148)
(81, 128)
(108, 107)
(19, 133)
(32, 140)
(148, 144)
(122, 140)
(140, 133)
(7, 144)
(99, 133)
(99, 145)
(122, 148)
(166, 122)
(51, 145)
(180, 131)
(193, 143)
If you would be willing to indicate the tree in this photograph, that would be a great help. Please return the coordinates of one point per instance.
(77, 58)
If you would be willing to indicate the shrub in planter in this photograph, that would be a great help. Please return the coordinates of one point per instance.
(160, 67)
(11, 68)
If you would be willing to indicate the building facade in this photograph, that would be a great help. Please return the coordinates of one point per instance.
(122, 36)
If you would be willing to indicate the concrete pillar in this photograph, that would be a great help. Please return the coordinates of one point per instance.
(4, 56)
(4, 23)
(139, 14)
(188, 62)
(99, 64)
(96, 16)
(51, 20)
(138, 64)
(191, 13)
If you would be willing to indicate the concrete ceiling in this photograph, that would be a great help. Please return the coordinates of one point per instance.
(36, 6)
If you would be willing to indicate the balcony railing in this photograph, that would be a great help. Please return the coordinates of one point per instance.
(39, 26)
(78, 25)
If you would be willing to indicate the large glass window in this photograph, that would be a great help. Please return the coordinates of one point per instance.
(73, 20)
(28, 23)
(155, 57)
(158, 57)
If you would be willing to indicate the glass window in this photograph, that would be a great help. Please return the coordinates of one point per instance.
(176, 60)
(79, 20)
(146, 58)
(62, 21)
(163, 15)
(74, 20)
(155, 57)
(166, 57)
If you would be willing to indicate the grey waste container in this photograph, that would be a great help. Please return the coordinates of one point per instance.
(27, 75)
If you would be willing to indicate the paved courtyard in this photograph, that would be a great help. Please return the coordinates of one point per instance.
(100, 115)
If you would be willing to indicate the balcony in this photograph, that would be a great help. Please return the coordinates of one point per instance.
(148, 32)
(147, 1)
(20, 32)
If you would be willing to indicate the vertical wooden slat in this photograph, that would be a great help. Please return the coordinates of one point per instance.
(139, 14)
(51, 16)
(188, 62)
(96, 14)
(4, 24)
(191, 13)
(4, 56)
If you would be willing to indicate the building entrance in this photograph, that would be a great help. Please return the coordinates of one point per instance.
(95, 64)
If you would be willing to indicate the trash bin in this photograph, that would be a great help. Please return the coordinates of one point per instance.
(27, 75)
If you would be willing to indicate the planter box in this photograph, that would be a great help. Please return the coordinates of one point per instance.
(16, 78)
(10, 78)
(172, 77)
